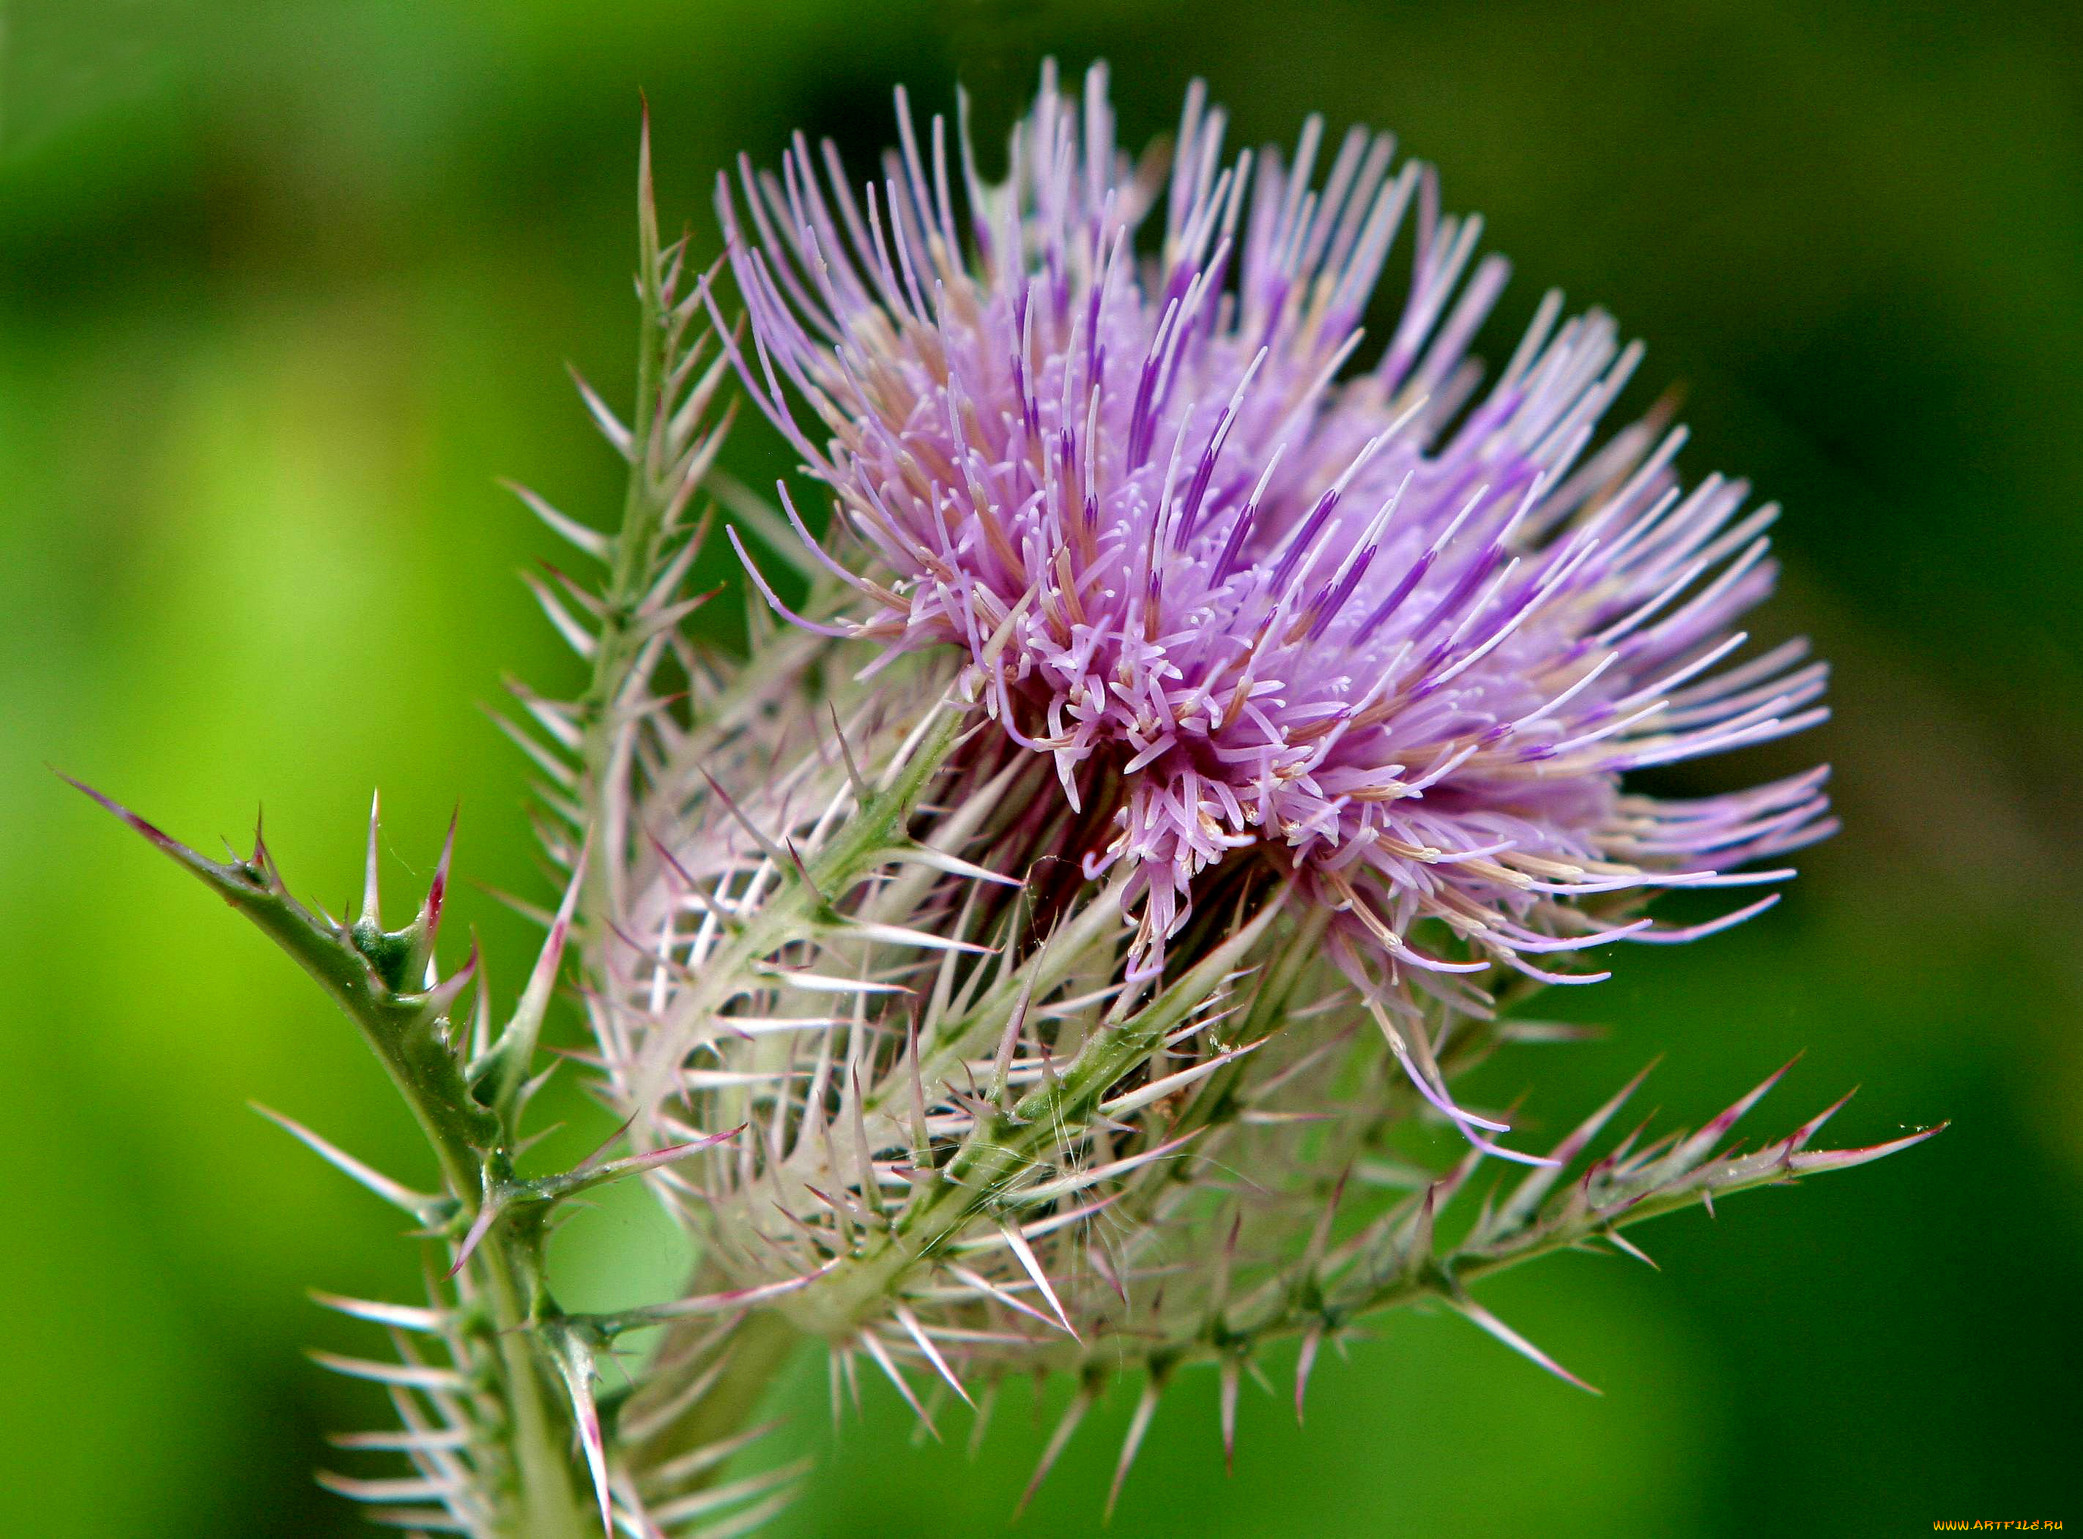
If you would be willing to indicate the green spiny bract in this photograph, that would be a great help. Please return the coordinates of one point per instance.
(875, 1036)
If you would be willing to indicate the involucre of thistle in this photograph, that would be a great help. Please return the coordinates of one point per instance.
(1052, 948)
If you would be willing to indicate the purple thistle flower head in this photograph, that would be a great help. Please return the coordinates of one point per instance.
(1260, 595)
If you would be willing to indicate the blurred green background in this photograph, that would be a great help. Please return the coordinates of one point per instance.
(284, 286)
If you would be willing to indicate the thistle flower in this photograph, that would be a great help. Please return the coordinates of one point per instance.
(1308, 657)
(1255, 601)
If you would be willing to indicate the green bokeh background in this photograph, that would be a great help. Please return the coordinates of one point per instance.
(284, 286)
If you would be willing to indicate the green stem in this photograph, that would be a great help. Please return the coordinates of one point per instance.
(549, 1504)
(432, 1085)
(461, 1131)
